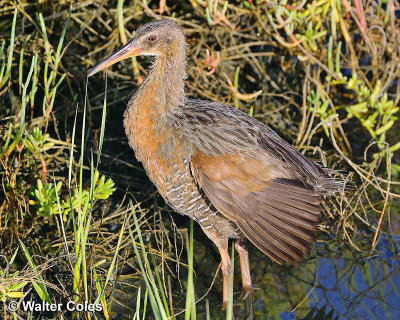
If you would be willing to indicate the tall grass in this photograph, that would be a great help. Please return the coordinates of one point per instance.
(84, 265)
(155, 290)
(314, 51)
(81, 202)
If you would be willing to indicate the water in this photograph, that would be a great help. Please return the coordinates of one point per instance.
(335, 282)
(344, 283)
(356, 288)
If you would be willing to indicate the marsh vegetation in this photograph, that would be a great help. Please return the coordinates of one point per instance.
(79, 219)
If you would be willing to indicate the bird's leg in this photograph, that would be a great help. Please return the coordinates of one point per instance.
(241, 248)
(226, 273)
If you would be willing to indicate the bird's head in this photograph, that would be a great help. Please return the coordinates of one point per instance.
(157, 38)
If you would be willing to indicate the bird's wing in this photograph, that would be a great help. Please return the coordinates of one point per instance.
(217, 129)
(277, 213)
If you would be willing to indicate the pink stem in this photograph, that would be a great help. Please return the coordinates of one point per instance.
(360, 15)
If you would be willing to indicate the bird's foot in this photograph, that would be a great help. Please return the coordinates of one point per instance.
(248, 293)
(248, 302)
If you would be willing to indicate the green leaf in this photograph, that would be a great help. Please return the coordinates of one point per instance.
(17, 286)
(39, 287)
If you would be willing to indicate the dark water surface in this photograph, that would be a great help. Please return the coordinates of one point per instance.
(335, 282)
(340, 283)
(353, 287)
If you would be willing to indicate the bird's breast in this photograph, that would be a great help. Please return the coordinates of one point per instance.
(167, 163)
(153, 143)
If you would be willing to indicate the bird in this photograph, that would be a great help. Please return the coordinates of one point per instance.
(232, 174)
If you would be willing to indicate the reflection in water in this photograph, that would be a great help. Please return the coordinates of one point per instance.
(335, 282)
(342, 282)
(360, 289)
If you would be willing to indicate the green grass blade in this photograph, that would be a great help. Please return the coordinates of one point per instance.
(208, 309)
(61, 218)
(3, 61)
(21, 61)
(146, 294)
(112, 266)
(137, 312)
(103, 124)
(45, 38)
(7, 139)
(190, 306)
(148, 268)
(100, 291)
(60, 43)
(23, 108)
(10, 52)
(71, 158)
(337, 60)
(158, 314)
(39, 287)
(229, 307)
(149, 290)
(160, 286)
(13, 257)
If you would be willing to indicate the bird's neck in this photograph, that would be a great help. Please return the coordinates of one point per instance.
(157, 101)
(164, 86)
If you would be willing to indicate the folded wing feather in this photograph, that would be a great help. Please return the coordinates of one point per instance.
(275, 210)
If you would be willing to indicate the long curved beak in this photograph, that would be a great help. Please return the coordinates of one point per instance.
(128, 50)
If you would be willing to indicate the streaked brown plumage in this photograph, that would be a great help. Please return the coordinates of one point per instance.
(231, 173)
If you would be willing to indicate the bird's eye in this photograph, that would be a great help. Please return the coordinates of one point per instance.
(152, 38)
